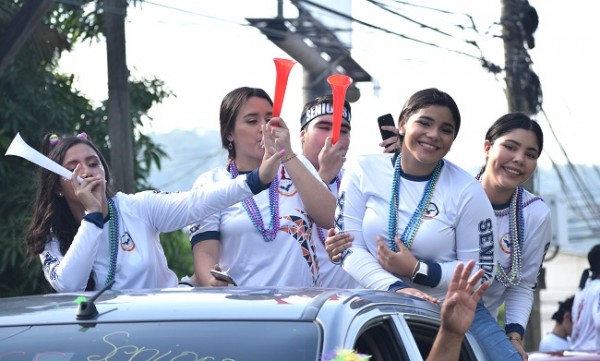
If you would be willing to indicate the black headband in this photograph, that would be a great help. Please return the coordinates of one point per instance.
(322, 109)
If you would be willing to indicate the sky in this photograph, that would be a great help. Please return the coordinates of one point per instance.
(204, 49)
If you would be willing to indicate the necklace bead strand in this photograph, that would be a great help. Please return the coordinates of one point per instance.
(113, 227)
(410, 232)
(251, 208)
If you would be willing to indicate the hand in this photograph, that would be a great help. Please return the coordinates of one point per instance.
(91, 192)
(331, 159)
(391, 144)
(272, 157)
(461, 299)
(417, 293)
(335, 244)
(280, 132)
(518, 345)
(215, 282)
(401, 263)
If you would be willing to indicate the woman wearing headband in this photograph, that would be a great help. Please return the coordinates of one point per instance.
(87, 236)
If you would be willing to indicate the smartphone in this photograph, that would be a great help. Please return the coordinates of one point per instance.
(386, 119)
(222, 276)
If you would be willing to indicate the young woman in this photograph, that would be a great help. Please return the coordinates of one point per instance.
(87, 236)
(268, 239)
(512, 146)
(425, 211)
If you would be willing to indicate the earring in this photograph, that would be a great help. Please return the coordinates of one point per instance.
(230, 146)
(60, 194)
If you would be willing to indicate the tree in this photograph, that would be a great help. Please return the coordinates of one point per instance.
(34, 99)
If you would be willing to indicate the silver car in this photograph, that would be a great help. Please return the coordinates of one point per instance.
(230, 323)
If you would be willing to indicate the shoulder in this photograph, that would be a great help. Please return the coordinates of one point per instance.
(211, 176)
(535, 204)
(369, 161)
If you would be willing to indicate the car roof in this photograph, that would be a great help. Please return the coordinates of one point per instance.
(226, 303)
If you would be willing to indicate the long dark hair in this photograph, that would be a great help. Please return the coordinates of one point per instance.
(230, 107)
(509, 122)
(51, 212)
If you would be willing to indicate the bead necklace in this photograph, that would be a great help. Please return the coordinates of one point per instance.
(113, 228)
(410, 232)
(320, 230)
(253, 212)
(512, 277)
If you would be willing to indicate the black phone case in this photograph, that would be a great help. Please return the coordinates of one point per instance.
(386, 119)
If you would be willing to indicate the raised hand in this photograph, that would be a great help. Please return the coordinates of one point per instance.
(272, 157)
(331, 159)
(91, 192)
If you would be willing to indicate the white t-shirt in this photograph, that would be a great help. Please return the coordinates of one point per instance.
(551, 343)
(538, 234)
(586, 318)
(458, 226)
(289, 260)
(141, 262)
(332, 274)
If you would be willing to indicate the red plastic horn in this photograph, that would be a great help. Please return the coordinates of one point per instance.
(283, 67)
(339, 84)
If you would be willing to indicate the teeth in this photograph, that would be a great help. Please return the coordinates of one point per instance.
(515, 172)
(428, 146)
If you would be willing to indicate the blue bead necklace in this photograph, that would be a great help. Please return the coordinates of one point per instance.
(253, 211)
(113, 228)
(410, 232)
(512, 276)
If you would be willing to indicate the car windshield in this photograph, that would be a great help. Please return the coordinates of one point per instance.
(164, 341)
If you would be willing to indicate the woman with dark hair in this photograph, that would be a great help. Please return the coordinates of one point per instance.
(88, 236)
(512, 146)
(268, 239)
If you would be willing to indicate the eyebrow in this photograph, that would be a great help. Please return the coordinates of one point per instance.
(255, 114)
(451, 124)
(520, 145)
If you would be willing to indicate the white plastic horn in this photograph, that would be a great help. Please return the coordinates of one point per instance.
(21, 149)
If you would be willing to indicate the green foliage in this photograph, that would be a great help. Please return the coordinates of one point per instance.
(178, 252)
(36, 99)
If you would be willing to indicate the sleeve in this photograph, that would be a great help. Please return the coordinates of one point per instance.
(208, 227)
(168, 212)
(71, 272)
(519, 299)
(474, 236)
(357, 260)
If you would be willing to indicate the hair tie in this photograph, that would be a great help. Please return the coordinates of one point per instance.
(82, 135)
(53, 140)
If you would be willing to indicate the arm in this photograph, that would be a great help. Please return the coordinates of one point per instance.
(457, 312)
(519, 299)
(71, 272)
(357, 260)
(206, 257)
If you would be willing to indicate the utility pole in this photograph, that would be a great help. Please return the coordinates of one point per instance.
(523, 93)
(120, 129)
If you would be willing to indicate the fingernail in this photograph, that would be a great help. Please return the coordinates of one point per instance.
(282, 151)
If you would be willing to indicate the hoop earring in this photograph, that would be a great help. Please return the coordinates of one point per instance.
(230, 146)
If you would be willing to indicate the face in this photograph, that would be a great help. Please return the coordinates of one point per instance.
(428, 136)
(88, 161)
(247, 134)
(511, 159)
(315, 133)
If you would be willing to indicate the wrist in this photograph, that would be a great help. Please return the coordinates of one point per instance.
(289, 156)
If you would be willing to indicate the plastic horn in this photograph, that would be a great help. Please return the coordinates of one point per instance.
(283, 67)
(19, 148)
(339, 84)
